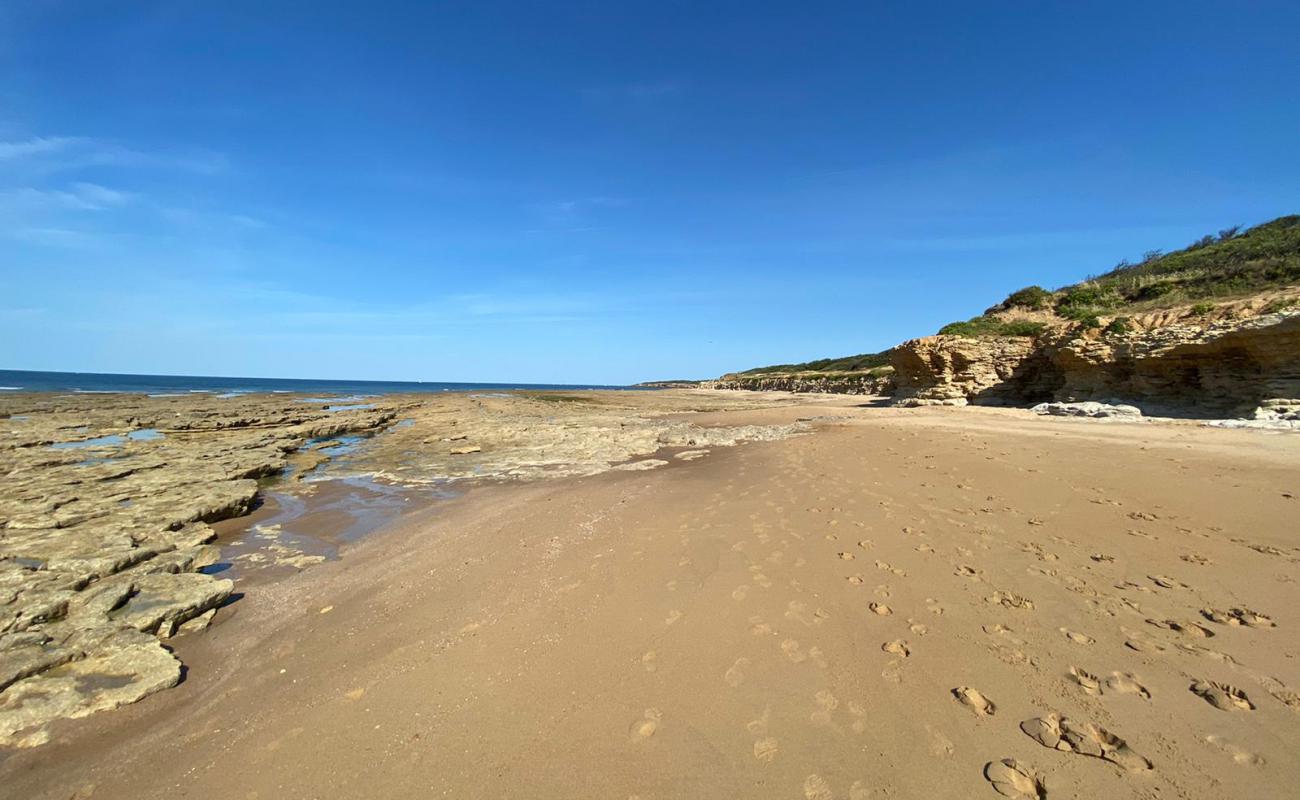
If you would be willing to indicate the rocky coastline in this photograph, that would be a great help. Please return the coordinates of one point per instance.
(1237, 364)
(106, 544)
(1240, 360)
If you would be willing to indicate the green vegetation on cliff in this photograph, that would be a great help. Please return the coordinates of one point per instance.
(1229, 264)
(858, 363)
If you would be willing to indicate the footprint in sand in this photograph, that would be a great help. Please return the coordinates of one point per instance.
(859, 791)
(672, 617)
(798, 611)
(1059, 733)
(1185, 628)
(815, 787)
(758, 627)
(917, 627)
(859, 717)
(847, 556)
(1010, 600)
(646, 726)
(765, 749)
(1127, 683)
(1086, 680)
(736, 674)
(1077, 638)
(740, 592)
(856, 580)
(897, 647)
(1222, 696)
(1239, 755)
(1141, 644)
(1286, 697)
(1238, 616)
(1012, 779)
(975, 700)
(650, 661)
(826, 703)
(924, 548)
(966, 571)
(792, 651)
(933, 606)
(880, 609)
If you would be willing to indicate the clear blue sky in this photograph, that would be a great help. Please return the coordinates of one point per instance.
(602, 192)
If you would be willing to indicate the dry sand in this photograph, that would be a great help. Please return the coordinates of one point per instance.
(887, 607)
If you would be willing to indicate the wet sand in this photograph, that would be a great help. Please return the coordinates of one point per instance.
(831, 615)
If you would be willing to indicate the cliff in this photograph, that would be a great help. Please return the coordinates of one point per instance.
(1226, 362)
(875, 382)
(1211, 330)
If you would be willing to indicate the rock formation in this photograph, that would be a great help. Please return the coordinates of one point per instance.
(104, 518)
(1226, 365)
(103, 531)
(848, 383)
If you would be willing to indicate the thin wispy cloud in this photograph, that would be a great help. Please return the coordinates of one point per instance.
(79, 196)
(37, 145)
(68, 153)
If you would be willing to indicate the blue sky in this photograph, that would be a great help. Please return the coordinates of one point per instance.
(602, 192)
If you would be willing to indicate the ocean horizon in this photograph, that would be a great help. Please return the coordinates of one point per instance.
(162, 385)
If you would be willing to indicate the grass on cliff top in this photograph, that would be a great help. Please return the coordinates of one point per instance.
(1232, 263)
(858, 363)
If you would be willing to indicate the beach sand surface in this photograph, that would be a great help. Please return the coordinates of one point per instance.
(890, 606)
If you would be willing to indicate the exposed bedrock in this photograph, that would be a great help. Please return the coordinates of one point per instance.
(103, 533)
(1225, 368)
(811, 384)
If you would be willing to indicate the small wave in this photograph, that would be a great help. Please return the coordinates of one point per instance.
(9, 388)
(94, 391)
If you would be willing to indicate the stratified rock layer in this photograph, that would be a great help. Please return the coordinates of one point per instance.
(1228, 365)
(808, 383)
(103, 526)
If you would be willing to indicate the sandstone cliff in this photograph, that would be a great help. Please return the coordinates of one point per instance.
(852, 383)
(1224, 363)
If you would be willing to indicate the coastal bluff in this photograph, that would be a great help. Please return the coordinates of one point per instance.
(1226, 364)
(1210, 331)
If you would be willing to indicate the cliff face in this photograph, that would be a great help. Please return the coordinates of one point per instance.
(956, 370)
(831, 384)
(1225, 366)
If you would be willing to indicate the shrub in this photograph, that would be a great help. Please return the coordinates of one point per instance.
(992, 326)
(1153, 290)
(1033, 297)
(1281, 304)
(1119, 326)
(1090, 321)
(1201, 309)
(1088, 296)
(1021, 328)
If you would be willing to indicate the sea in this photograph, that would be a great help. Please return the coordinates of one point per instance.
(165, 385)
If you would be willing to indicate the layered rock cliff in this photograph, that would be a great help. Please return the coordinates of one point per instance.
(1227, 363)
(853, 383)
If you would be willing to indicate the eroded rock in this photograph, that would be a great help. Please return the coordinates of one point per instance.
(103, 528)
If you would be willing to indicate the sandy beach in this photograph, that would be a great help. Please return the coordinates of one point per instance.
(903, 603)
